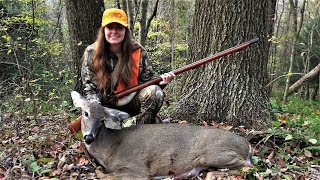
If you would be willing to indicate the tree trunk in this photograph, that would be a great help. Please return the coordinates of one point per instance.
(319, 89)
(296, 31)
(230, 89)
(172, 39)
(130, 12)
(118, 4)
(84, 19)
(143, 22)
(124, 5)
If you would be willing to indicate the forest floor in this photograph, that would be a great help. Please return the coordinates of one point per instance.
(43, 148)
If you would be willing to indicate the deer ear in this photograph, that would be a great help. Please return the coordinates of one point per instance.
(119, 115)
(114, 118)
(122, 115)
(78, 100)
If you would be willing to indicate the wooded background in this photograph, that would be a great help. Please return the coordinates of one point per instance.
(42, 42)
(268, 92)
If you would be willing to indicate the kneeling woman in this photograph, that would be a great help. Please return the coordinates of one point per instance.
(114, 62)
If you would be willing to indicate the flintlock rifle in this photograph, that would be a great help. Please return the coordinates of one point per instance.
(187, 67)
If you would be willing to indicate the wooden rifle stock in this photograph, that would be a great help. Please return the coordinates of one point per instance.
(188, 67)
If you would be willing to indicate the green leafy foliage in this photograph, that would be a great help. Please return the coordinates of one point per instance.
(33, 75)
(161, 50)
(301, 119)
(291, 147)
(298, 131)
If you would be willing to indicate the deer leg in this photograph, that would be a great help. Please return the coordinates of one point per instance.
(225, 160)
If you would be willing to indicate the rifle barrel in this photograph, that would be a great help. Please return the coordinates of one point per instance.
(188, 67)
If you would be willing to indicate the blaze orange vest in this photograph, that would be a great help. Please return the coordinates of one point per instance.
(135, 64)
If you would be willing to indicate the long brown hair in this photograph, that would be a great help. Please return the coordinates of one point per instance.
(101, 61)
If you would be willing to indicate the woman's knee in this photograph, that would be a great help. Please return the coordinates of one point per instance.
(152, 92)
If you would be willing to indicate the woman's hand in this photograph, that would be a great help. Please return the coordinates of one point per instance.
(167, 77)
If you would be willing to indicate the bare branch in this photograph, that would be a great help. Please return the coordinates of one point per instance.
(310, 75)
(152, 16)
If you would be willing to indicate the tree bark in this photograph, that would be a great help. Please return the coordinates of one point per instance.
(143, 18)
(118, 4)
(124, 5)
(172, 39)
(144, 23)
(310, 75)
(319, 88)
(130, 12)
(84, 19)
(230, 89)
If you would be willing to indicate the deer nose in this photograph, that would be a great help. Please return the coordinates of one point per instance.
(88, 138)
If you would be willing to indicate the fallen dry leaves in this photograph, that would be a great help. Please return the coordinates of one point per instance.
(43, 148)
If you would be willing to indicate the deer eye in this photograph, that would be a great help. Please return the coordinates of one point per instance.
(86, 114)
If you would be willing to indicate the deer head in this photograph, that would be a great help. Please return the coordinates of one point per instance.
(94, 116)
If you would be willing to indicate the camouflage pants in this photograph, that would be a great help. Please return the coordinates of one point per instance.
(146, 104)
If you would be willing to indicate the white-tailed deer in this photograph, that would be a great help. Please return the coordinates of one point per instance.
(159, 150)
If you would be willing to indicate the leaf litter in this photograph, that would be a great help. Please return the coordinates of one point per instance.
(43, 148)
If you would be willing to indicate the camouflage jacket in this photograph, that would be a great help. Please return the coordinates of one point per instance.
(88, 75)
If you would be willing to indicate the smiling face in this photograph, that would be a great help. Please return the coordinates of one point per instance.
(114, 33)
